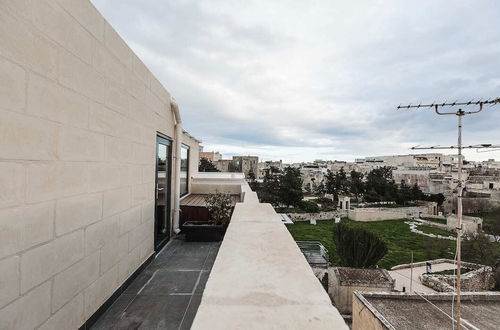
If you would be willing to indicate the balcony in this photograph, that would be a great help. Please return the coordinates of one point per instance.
(257, 278)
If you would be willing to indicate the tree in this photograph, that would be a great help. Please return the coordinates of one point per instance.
(330, 184)
(438, 198)
(290, 192)
(252, 181)
(478, 248)
(356, 185)
(358, 247)
(207, 166)
(320, 189)
(309, 206)
(416, 193)
(269, 191)
(336, 183)
(380, 186)
(403, 194)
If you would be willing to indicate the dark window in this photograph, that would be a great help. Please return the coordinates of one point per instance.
(184, 175)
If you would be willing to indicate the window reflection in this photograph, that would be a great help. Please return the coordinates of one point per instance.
(184, 169)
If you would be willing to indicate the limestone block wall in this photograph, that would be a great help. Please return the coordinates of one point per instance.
(480, 279)
(79, 114)
(330, 215)
(379, 214)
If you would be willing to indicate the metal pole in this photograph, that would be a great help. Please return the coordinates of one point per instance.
(411, 273)
(460, 114)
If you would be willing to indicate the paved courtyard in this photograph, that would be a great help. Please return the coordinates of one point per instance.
(166, 295)
(403, 276)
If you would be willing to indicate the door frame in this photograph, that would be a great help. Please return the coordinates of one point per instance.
(165, 139)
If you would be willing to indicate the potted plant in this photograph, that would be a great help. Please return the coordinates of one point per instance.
(219, 206)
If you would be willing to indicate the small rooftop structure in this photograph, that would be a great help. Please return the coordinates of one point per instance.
(360, 276)
(315, 253)
(285, 219)
(400, 311)
(344, 281)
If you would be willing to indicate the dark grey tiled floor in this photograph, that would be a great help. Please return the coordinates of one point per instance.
(166, 295)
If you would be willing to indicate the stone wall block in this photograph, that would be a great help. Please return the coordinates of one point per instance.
(43, 262)
(12, 86)
(9, 281)
(77, 212)
(12, 184)
(80, 145)
(73, 280)
(100, 233)
(58, 25)
(116, 201)
(26, 138)
(97, 293)
(29, 311)
(48, 100)
(22, 228)
(81, 77)
(130, 219)
(46, 181)
(87, 15)
(69, 317)
(117, 46)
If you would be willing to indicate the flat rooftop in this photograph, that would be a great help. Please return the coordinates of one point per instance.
(411, 311)
(369, 276)
(199, 200)
(219, 175)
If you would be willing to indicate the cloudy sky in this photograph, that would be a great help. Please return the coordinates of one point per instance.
(303, 80)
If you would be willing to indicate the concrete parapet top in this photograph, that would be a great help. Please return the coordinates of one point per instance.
(261, 280)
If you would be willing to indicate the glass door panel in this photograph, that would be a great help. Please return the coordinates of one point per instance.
(162, 193)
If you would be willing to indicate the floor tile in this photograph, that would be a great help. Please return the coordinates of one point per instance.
(167, 293)
(114, 312)
(154, 312)
(180, 263)
(165, 282)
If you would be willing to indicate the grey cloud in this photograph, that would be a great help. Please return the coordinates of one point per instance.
(294, 79)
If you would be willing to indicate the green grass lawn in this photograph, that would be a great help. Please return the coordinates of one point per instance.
(435, 231)
(437, 220)
(396, 234)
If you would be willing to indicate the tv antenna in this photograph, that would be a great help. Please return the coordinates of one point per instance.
(438, 108)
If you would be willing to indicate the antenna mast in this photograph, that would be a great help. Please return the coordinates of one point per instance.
(459, 113)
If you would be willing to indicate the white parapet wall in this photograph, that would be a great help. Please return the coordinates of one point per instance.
(261, 280)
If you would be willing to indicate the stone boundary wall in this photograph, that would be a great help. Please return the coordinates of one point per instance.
(435, 224)
(297, 217)
(380, 213)
(477, 280)
(436, 261)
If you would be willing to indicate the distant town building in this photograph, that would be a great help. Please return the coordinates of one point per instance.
(266, 165)
(212, 156)
(344, 281)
